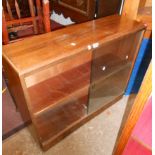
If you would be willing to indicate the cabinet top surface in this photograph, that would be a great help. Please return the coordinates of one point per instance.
(38, 51)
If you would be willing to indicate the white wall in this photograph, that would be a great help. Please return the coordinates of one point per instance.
(61, 19)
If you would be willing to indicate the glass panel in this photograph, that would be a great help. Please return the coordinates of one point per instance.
(60, 101)
(111, 66)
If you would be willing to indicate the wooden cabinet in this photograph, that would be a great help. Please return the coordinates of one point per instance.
(77, 10)
(85, 10)
(64, 78)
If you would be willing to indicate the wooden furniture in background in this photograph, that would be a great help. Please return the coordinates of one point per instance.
(51, 79)
(17, 22)
(5, 35)
(106, 8)
(145, 3)
(130, 8)
(145, 15)
(78, 11)
(139, 103)
(14, 20)
(46, 15)
(140, 10)
(85, 10)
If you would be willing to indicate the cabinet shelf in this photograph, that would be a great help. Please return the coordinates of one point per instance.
(57, 120)
(60, 89)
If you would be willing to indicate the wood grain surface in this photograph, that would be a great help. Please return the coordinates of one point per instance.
(38, 51)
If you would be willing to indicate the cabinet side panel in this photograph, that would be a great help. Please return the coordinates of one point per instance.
(16, 90)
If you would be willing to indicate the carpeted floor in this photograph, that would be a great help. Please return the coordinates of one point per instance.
(97, 137)
(11, 118)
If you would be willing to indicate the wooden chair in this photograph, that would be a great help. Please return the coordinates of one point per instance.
(12, 23)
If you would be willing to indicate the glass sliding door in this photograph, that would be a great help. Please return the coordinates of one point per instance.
(111, 66)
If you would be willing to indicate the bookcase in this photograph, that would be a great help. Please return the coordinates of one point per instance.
(60, 80)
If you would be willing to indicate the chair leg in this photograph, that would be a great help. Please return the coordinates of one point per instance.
(5, 36)
(39, 12)
(46, 15)
(31, 6)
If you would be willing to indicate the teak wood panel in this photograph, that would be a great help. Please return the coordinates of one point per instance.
(16, 90)
(130, 8)
(39, 51)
